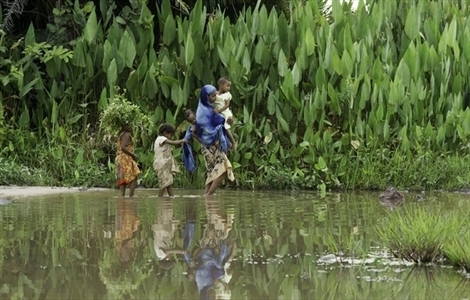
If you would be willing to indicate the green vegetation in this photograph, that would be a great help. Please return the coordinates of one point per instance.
(344, 100)
(428, 234)
(457, 249)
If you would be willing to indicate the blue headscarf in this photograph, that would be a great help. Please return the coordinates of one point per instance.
(209, 125)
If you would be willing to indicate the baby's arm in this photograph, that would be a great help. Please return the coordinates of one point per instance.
(227, 104)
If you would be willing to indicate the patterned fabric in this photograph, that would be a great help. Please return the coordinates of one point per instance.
(126, 168)
(217, 163)
(220, 102)
(163, 163)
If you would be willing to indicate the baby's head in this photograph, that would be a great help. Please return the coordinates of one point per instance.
(166, 129)
(190, 116)
(224, 84)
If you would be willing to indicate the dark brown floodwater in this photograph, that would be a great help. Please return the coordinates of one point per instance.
(235, 245)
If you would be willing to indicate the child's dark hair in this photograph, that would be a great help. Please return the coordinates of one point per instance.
(222, 80)
(187, 113)
(166, 128)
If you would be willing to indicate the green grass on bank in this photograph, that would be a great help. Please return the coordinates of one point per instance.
(365, 171)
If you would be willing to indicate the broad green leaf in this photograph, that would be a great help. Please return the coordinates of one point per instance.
(296, 75)
(283, 35)
(24, 118)
(222, 56)
(451, 38)
(30, 37)
(62, 133)
(169, 30)
(411, 58)
(79, 157)
(55, 112)
(132, 81)
(127, 49)
(403, 73)
(189, 50)
(377, 71)
(457, 84)
(337, 11)
(268, 138)
(282, 65)
(337, 64)
(259, 51)
(271, 104)
(412, 24)
(321, 165)
(284, 125)
(91, 28)
(112, 74)
(263, 18)
(309, 42)
(347, 64)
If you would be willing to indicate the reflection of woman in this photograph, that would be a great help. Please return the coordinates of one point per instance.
(211, 262)
(211, 133)
(122, 268)
(126, 227)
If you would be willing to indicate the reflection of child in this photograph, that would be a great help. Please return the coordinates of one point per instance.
(222, 105)
(163, 232)
(163, 163)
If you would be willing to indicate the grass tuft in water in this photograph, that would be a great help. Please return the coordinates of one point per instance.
(457, 249)
(418, 233)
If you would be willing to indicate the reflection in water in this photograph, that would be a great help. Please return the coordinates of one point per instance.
(210, 262)
(163, 234)
(121, 270)
(238, 245)
(126, 227)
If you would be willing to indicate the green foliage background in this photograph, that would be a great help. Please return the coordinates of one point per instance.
(335, 99)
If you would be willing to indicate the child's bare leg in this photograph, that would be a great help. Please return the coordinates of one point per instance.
(232, 140)
(208, 186)
(170, 191)
(161, 192)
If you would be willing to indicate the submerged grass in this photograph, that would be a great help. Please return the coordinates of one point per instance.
(420, 233)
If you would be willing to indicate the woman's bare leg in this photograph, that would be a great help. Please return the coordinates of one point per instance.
(215, 184)
(122, 188)
(132, 187)
(161, 192)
